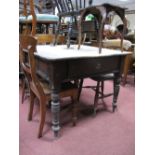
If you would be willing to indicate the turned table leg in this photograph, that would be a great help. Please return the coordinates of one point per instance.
(55, 108)
(116, 90)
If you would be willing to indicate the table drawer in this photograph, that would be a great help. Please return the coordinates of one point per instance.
(83, 67)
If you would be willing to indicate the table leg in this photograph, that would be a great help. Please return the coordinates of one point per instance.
(55, 108)
(116, 90)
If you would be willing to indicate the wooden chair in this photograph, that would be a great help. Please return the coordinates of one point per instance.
(40, 88)
(71, 9)
(33, 19)
(41, 19)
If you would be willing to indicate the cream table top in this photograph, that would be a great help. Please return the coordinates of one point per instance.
(60, 52)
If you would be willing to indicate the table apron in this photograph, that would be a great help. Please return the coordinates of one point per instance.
(58, 71)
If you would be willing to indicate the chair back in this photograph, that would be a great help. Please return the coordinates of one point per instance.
(34, 20)
(69, 6)
(43, 39)
(27, 61)
(31, 11)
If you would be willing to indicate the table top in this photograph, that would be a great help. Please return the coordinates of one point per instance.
(61, 52)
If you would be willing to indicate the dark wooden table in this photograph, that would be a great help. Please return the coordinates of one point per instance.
(57, 64)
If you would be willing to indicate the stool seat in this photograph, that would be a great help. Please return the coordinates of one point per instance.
(101, 77)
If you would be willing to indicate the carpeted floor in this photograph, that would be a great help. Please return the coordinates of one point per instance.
(106, 134)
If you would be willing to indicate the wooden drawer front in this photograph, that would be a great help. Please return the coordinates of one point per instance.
(91, 66)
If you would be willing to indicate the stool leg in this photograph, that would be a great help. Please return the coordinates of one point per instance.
(102, 87)
(80, 89)
(57, 31)
(102, 91)
(74, 109)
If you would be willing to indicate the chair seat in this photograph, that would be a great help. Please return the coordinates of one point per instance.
(22, 19)
(101, 77)
(40, 18)
(44, 18)
(64, 87)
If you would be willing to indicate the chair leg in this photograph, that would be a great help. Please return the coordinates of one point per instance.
(32, 97)
(42, 116)
(69, 34)
(96, 97)
(23, 90)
